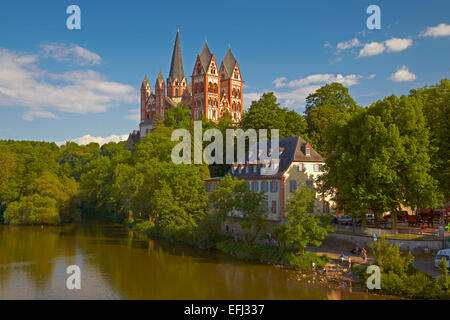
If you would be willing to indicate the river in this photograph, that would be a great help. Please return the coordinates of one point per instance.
(117, 263)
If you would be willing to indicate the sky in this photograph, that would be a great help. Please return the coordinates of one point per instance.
(58, 84)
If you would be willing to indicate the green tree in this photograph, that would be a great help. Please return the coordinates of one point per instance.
(389, 258)
(303, 227)
(266, 113)
(254, 216)
(178, 117)
(379, 159)
(322, 107)
(436, 109)
(33, 210)
(156, 144)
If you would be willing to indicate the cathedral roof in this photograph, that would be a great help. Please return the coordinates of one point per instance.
(145, 81)
(160, 78)
(176, 66)
(229, 62)
(205, 57)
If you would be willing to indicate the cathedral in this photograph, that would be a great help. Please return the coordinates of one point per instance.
(211, 92)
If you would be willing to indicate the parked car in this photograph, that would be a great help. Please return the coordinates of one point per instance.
(370, 217)
(444, 253)
(345, 219)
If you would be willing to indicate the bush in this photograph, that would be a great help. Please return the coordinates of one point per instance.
(32, 210)
(305, 260)
(208, 232)
(239, 249)
(144, 226)
(389, 258)
(399, 277)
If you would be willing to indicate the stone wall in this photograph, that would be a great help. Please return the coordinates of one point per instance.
(347, 242)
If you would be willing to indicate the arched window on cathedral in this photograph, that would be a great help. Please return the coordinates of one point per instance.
(176, 92)
(216, 88)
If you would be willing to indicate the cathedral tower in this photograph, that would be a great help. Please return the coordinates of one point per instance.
(176, 82)
(146, 93)
(160, 96)
(205, 86)
(231, 86)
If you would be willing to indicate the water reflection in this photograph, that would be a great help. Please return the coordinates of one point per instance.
(117, 263)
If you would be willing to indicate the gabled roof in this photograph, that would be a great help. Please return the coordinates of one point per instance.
(205, 57)
(176, 66)
(292, 150)
(228, 63)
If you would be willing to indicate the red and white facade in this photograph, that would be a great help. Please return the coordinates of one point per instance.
(213, 91)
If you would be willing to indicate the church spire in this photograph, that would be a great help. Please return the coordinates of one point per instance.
(176, 67)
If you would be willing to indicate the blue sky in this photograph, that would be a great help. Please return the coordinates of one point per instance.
(58, 84)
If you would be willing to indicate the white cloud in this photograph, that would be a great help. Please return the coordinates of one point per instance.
(371, 49)
(70, 52)
(86, 139)
(372, 76)
(402, 74)
(441, 30)
(23, 84)
(397, 44)
(323, 78)
(37, 113)
(279, 82)
(301, 88)
(349, 44)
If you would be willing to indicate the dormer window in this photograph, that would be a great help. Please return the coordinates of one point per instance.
(308, 150)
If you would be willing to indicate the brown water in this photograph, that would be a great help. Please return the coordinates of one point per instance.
(117, 263)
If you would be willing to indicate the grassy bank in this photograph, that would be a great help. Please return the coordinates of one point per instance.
(238, 248)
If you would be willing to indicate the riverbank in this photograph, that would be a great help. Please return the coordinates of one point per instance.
(337, 276)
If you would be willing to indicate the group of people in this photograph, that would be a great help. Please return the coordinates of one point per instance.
(359, 251)
(324, 270)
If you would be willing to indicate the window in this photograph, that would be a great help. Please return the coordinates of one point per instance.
(274, 206)
(326, 207)
(255, 186)
(300, 167)
(308, 152)
(293, 186)
(309, 183)
(266, 206)
(274, 186)
(207, 187)
(316, 168)
(264, 186)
